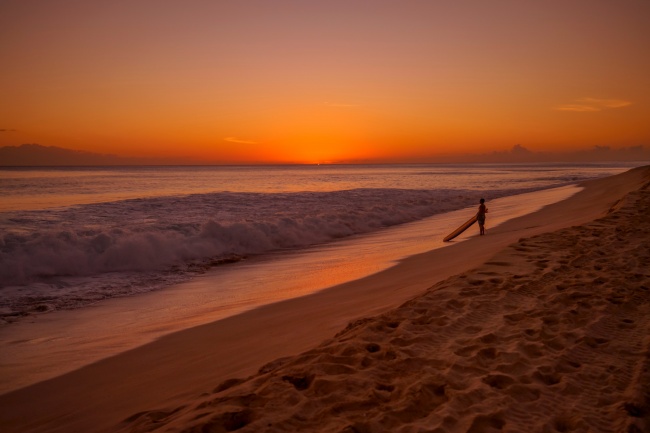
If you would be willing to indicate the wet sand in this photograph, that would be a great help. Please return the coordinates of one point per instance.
(548, 334)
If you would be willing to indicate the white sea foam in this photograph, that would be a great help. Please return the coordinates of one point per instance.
(129, 246)
(156, 233)
(66, 257)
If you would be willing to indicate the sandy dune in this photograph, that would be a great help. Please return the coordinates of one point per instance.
(550, 334)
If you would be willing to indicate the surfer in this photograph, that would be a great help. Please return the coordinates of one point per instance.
(480, 216)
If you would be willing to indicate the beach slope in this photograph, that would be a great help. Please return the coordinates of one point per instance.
(548, 334)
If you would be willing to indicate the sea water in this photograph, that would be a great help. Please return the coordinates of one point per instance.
(72, 236)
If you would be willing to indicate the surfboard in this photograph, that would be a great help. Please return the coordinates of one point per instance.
(461, 229)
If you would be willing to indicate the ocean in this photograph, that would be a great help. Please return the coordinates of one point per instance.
(97, 261)
(73, 236)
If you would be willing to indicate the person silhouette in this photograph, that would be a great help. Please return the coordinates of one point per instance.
(480, 216)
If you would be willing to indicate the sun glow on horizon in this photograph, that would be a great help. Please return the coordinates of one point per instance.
(310, 82)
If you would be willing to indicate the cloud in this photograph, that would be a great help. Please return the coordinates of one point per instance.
(518, 149)
(593, 104)
(38, 155)
(521, 154)
(238, 140)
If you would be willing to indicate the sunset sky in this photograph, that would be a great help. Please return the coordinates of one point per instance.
(324, 81)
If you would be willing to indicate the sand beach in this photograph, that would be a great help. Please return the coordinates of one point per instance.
(543, 325)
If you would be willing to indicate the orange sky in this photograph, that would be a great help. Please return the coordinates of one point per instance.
(323, 81)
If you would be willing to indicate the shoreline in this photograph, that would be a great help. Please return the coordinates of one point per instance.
(52, 344)
(551, 334)
(187, 363)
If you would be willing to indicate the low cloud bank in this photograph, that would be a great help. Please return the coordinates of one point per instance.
(519, 153)
(38, 155)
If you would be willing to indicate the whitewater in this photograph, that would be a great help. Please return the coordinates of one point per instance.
(73, 236)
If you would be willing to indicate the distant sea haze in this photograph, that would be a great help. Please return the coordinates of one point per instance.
(72, 236)
(36, 155)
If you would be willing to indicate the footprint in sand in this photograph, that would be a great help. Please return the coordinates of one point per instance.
(488, 338)
(472, 329)
(498, 381)
(455, 305)
(487, 423)
(514, 318)
(595, 342)
(626, 324)
(301, 383)
(547, 375)
(524, 393)
(466, 351)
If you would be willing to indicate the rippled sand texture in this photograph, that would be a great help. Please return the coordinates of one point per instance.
(552, 335)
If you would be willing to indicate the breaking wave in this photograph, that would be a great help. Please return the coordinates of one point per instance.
(159, 233)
